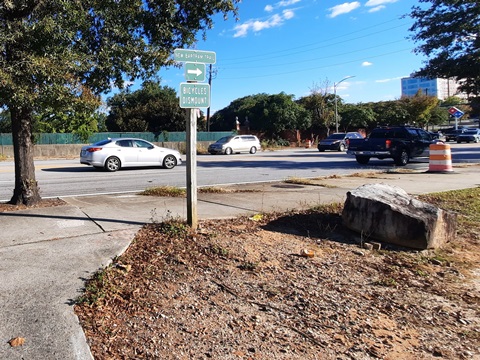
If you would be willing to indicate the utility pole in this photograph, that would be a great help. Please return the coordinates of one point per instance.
(210, 72)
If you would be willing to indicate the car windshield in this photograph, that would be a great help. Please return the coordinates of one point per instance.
(336, 136)
(224, 139)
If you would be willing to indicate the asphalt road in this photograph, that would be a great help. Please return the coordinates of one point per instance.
(61, 178)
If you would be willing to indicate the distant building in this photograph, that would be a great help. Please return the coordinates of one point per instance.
(441, 88)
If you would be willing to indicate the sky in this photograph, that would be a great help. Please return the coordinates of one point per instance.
(297, 46)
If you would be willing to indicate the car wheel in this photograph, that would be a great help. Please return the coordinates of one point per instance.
(253, 150)
(169, 162)
(403, 158)
(341, 147)
(458, 141)
(112, 164)
(228, 151)
(362, 159)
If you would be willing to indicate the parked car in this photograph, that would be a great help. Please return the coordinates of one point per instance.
(235, 144)
(469, 135)
(337, 141)
(113, 154)
(452, 133)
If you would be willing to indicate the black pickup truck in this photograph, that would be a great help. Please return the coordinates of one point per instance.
(400, 143)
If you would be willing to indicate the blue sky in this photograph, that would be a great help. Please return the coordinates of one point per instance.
(296, 46)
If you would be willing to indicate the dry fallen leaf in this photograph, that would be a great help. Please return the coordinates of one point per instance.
(18, 341)
(307, 253)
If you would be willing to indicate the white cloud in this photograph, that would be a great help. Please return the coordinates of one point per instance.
(344, 8)
(367, 63)
(376, 8)
(375, 3)
(388, 80)
(288, 14)
(284, 3)
(287, 2)
(274, 20)
(258, 25)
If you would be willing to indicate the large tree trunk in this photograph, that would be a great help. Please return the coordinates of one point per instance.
(26, 189)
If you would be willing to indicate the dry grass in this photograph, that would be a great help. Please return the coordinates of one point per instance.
(171, 191)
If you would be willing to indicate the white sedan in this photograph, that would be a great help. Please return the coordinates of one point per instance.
(113, 154)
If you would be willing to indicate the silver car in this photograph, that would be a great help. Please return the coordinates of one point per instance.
(113, 154)
(235, 144)
(469, 135)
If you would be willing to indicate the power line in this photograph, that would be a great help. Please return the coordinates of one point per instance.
(249, 76)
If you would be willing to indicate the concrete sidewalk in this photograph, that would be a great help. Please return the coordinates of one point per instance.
(47, 254)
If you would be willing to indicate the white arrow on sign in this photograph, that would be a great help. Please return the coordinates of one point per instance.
(196, 72)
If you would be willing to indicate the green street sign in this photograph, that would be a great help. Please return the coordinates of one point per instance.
(206, 57)
(194, 95)
(194, 71)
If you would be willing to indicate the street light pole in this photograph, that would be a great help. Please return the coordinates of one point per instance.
(335, 99)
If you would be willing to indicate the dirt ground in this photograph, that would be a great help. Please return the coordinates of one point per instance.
(282, 286)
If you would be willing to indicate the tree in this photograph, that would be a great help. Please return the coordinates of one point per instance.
(152, 108)
(419, 108)
(439, 116)
(450, 32)
(320, 104)
(277, 113)
(271, 114)
(356, 116)
(242, 108)
(392, 112)
(58, 52)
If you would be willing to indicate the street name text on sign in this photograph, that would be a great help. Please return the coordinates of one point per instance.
(194, 95)
(199, 56)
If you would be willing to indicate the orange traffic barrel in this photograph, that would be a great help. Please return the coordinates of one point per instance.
(440, 158)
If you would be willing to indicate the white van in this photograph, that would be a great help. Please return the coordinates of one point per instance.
(235, 144)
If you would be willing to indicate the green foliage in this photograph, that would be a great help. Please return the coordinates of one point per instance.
(321, 107)
(5, 122)
(97, 288)
(449, 35)
(356, 116)
(270, 114)
(438, 116)
(82, 124)
(242, 108)
(389, 113)
(152, 108)
(452, 101)
(419, 108)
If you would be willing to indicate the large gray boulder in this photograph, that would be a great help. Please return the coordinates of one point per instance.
(388, 214)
